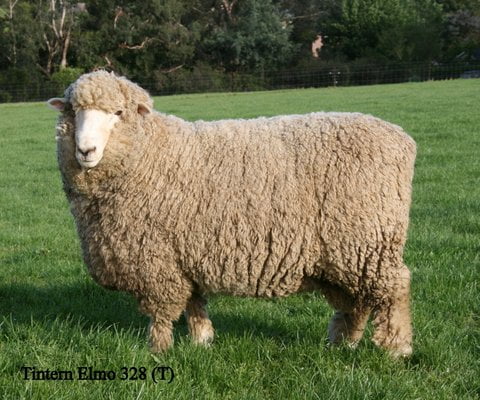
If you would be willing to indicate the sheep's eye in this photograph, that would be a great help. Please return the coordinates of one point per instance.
(119, 112)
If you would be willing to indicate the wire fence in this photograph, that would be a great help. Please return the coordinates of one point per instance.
(320, 75)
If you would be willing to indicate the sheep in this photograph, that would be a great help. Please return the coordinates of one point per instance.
(171, 211)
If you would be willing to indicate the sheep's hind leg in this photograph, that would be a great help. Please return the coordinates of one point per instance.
(348, 323)
(392, 321)
(199, 325)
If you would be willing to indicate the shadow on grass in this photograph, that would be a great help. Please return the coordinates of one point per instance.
(96, 306)
(86, 301)
(229, 323)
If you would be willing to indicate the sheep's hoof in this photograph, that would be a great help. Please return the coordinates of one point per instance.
(404, 351)
(203, 334)
(342, 330)
(159, 347)
(395, 349)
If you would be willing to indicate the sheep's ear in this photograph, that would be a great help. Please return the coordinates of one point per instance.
(143, 109)
(57, 103)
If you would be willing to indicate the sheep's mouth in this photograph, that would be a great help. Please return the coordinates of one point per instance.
(87, 164)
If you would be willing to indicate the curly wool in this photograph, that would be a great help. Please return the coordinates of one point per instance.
(263, 207)
(105, 91)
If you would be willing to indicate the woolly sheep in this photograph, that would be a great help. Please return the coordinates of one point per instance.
(171, 210)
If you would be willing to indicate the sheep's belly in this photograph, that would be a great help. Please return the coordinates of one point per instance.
(253, 280)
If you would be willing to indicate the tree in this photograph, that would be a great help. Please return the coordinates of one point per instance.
(138, 38)
(10, 30)
(171, 41)
(248, 35)
(18, 34)
(400, 30)
(58, 19)
(462, 29)
(307, 19)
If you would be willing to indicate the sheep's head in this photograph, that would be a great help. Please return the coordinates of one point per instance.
(100, 100)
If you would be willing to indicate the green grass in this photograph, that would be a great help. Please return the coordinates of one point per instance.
(53, 316)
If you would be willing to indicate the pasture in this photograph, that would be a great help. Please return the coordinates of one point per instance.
(53, 316)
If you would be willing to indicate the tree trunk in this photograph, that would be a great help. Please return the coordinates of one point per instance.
(66, 44)
(228, 7)
(13, 57)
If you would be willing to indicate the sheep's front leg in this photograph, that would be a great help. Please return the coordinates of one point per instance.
(347, 327)
(162, 316)
(348, 323)
(199, 325)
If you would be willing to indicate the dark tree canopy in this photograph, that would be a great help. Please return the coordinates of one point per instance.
(165, 41)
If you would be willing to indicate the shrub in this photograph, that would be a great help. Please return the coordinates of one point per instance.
(5, 97)
(66, 76)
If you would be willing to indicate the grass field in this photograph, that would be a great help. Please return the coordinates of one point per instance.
(52, 315)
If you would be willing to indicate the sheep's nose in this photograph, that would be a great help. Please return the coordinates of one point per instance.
(85, 152)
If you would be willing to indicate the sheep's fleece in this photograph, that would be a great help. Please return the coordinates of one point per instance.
(262, 207)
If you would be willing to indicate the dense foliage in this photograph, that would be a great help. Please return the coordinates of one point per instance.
(172, 42)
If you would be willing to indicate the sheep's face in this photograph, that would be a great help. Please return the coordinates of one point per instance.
(92, 131)
(100, 100)
(93, 128)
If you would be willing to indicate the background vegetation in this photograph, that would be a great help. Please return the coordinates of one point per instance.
(168, 45)
(52, 315)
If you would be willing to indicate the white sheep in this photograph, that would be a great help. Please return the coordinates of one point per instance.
(170, 210)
